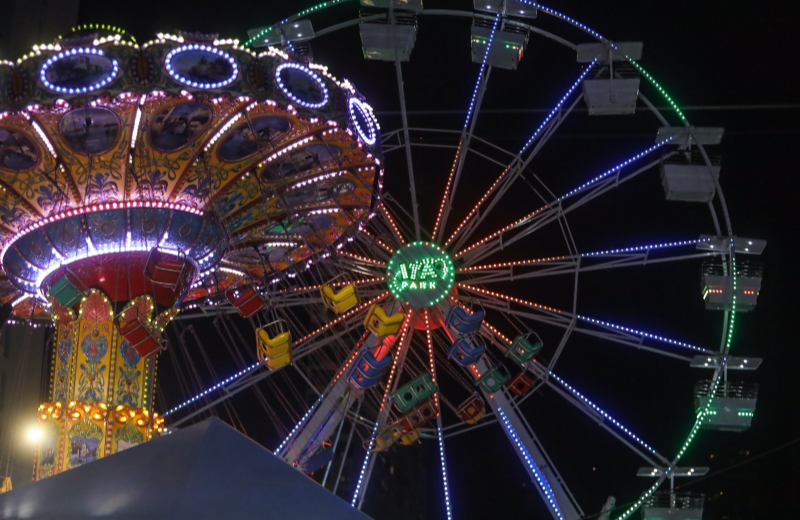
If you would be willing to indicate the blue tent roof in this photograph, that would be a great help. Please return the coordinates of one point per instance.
(207, 471)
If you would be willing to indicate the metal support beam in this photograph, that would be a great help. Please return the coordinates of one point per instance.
(540, 468)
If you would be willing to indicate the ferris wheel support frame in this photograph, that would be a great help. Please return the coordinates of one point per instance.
(404, 118)
(552, 488)
(512, 172)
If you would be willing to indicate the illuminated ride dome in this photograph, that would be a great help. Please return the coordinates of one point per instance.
(135, 179)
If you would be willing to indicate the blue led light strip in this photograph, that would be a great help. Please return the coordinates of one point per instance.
(204, 48)
(82, 51)
(645, 334)
(301, 422)
(635, 249)
(566, 18)
(480, 74)
(615, 168)
(444, 476)
(432, 360)
(559, 104)
(222, 383)
(521, 151)
(603, 413)
(539, 476)
(597, 35)
(526, 219)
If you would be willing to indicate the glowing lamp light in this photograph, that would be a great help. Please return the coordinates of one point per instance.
(34, 434)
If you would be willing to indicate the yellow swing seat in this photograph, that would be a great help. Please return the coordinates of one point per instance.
(382, 325)
(407, 439)
(342, 301)
(386, 437)
(275, 352)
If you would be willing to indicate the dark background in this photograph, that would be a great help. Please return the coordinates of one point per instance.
(726, 65)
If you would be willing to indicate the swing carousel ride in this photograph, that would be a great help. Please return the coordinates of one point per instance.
(144, 184)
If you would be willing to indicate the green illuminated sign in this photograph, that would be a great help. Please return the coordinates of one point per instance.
(421, 274)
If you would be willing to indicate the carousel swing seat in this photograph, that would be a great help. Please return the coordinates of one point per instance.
(317, 460)
(386, 437)
(246, 300)
(65, 292)
(407, 439)
(367, 371)
(472, 410)
(463, 322)
(382, 325)
(520, 384)
(164, 270)
(466, 352)
(342, 301)
(274, 351)
(418, 389)
(493, 380)
(522, 349)
(136, 330)
(421, 414)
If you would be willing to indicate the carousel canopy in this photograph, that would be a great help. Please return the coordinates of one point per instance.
(207, 471)
(252, 163)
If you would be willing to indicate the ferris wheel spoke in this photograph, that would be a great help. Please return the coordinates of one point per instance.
(392, 225)
(375, 240)
(504, 302)
(549, 483)
(323, 410)
(545, 130)
(409, 159)
(606, 421)
(439, 433)
(540, 318)
(466, 136)
(627, 336)
(348, 315)
(548, 213)
(569, 265)
(385, 407)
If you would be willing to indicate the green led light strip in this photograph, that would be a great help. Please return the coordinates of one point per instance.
(100, 26)
(660, 89)
(706, 409)
(310, 10)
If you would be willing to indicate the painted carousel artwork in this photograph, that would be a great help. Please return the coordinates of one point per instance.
(137, 179)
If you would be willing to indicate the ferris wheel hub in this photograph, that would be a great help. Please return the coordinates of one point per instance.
(421, 274)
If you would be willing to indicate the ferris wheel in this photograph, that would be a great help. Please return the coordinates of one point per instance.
(446, 320)
(464, 304)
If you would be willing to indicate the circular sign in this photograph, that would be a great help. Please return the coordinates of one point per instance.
(421, 274)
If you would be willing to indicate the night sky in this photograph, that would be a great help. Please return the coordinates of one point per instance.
(725, 65)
